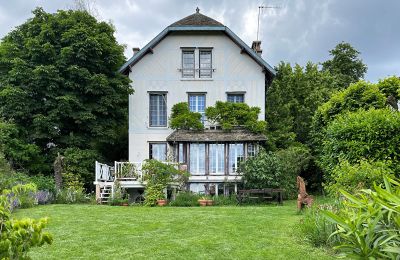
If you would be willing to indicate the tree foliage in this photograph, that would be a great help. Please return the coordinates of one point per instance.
(17, 236)
(183, 118)
(292, 99)
(59, 82)
(390, 87)
(276, 169)
(372, 134)
(345, 65)
(229, 115)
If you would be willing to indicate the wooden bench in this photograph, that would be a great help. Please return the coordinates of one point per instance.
(265, 194)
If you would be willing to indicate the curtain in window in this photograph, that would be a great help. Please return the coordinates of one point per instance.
(158, 110)
(236, 155)
(188, 64)
(216, 159)
(205, 64)
(197, 158)
(158, 152)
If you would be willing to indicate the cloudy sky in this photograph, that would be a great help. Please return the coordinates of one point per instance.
(299, 31)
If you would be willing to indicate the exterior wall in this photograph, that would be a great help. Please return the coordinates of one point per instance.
(160, 72)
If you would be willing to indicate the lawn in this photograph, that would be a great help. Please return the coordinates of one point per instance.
(105, 232)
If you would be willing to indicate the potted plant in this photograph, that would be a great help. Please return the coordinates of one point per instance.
(162, 202)
(124, 202)
(210, 202)
(203, 201)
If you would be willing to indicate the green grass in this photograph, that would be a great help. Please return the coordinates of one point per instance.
(105, 232)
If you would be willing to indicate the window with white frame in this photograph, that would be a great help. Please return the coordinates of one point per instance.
(205, 64)
(252, 150)
(236, 98)
(158, 109)
(188, 64)
(197, 158)
(158, 151)
(236, 155)
(216, 158)
(197, 103)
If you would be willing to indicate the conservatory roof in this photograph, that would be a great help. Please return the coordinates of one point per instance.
(236, 135)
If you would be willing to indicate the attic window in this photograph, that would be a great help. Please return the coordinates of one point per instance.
(188, 69)
(205, 64)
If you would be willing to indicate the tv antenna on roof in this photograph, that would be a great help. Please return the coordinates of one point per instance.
(259, 11)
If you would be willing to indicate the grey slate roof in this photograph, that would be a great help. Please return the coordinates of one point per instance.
(236, 135)
(197, 19)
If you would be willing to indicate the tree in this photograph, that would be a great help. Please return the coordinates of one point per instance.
(345, 65)
(59, 82)
(291, 101)
(390, 87)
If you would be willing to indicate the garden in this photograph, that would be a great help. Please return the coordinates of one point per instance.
(324, 123)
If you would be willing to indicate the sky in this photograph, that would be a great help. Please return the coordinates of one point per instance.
(297, 31)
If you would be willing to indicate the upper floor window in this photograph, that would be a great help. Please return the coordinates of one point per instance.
(158, 110)
(205, 64)
(236, 98)
(158, 151)
(188, 69)
(197, 103)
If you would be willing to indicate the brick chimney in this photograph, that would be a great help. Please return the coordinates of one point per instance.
(135, 50)
(256, 46)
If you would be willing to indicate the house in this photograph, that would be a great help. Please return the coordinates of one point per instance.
(200, 61)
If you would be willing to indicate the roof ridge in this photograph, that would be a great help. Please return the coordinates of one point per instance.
(197, 19)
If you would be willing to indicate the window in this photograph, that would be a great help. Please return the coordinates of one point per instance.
(252, 150)
(216, 158)
(158, 151)
(188, 64)
(236, 98)
(158, 110)
(236, 155)
(199, 188)
(205, 64)
(181, 153)
(197, 158)
(197, 103)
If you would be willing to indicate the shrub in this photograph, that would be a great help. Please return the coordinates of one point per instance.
(373, 135)
(368, 223)
(358, 176)
(79, 162)
(315, 228)
(186, 199)
(71, 195)
(361, 95)
(22, 195)
(275, 169)
(157, 176)
(44, 183)
(44, 197)
(221, 200)
(229, 115)
(183, 118)
(17, 236)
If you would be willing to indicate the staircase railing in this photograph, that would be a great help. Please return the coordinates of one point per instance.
(104, 172)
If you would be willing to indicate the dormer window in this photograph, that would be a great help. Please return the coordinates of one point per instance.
(188, 64)
(205, 64)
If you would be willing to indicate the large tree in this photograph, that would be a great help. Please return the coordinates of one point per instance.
(59, 82)
(292, 99)
(345, 65)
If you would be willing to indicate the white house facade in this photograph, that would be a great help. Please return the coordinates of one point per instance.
(200, 61)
